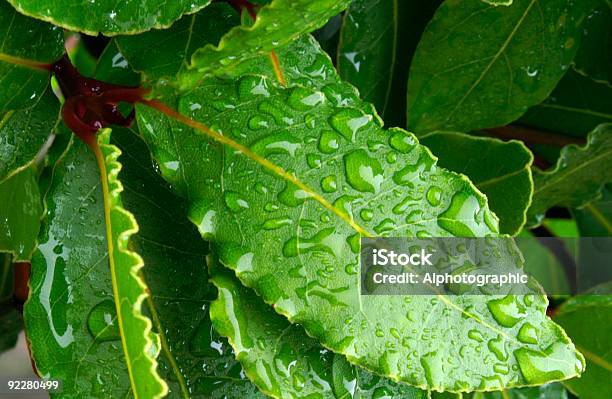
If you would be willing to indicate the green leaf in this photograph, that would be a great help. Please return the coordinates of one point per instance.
(480, 66)
(284, 196)
(26, 46)
(594, 342)
(543, 265)
(156, 52)
(71, 316)
(548, 391)
(500, 170)
(194, 360)
(129, 289)
(595, 218)
(594, 58)
(277, 24)
(577, 178)
(280, 358)
(109, 18)
(377, 41)
(23, 133)
(20, 213)
(112, 67)
(576, 107)
(77, 339)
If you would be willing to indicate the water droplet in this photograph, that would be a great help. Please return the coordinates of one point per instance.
(506, 311)
(102, 322)
(280, 143)
(348, 121)
(366, 214)
(329, 184)
(363, 172)
(528, 334)
(313, 161)
(292, 195)
(234, 201)
(276, 223)
(475, 335)
(402, 141)
(303, 99)
(459, 219)
(496, 346)
(253, 86)
(329, 142)
(258, 122)
(556, 362)
(434, 194)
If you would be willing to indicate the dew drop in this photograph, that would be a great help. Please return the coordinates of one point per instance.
(329, 184)
(102, 322)
(363, 172)
(235, 202)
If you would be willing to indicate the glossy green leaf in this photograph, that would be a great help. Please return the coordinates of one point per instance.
(500, 170)
(25, 44)
(23, 133)
(109, 17)
(549, 391)
(71, 316)
(71, 271)
(577, 178)
(594, 58)
(576, 106)
(194, 359)
(280, 358)
(277, 24)
(300, 176)
(480, 66)
(20, 213)
(129, 289)
(543, 265)
(595, 218)
(594, 342)
(156, 52)
(377, 41)
(112, 67)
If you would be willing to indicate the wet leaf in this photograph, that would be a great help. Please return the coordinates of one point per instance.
(595, 218)
(277, 24)
(577, 178)
(480, 66)
(109, 18)
(594, 58)
(194, 359)
(23, 132)
(25, 44)
(377, 41)
(284, 195)
(20, 213)
(576, 107)
(71, 271)
(280, 358)
(156, 52)
(593, 342)
(71, 316)
(500, 170)
(549, 391)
